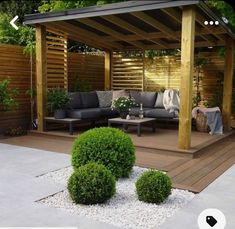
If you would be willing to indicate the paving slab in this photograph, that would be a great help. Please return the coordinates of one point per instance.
(220, 195)
(20, 188)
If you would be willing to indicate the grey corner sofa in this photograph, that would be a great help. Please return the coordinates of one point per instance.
(96, 105)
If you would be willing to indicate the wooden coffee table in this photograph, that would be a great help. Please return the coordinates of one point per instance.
(134, 122)
(69, 121)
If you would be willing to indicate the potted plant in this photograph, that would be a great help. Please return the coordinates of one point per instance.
(123, 105)
(57, 98)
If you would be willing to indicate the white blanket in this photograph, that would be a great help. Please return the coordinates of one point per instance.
(171, 101)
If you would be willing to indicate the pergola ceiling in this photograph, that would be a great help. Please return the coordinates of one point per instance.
(135, 25)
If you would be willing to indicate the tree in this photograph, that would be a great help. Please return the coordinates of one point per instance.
(19, 7)
(57, 5)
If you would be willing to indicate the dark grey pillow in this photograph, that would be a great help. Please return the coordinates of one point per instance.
(148, 99)
(136, 95)
(75, 102)
(159, 100)
(105, 98)
(89, 99)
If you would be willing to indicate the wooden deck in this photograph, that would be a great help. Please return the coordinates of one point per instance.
(192, 170)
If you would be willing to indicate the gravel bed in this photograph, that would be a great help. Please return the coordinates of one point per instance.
(124, 210)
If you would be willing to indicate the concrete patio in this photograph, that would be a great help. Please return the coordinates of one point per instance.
(20, 188)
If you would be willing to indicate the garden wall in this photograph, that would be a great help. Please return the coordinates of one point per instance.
(164, 72)
(15, 65)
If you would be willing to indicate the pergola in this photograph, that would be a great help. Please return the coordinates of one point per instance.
(142, 25)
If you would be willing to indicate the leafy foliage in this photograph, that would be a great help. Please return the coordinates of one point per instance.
(19, 7)
(81, 85)
(123, 103)
(57, 5)
(25, 36)
(7, 100)
(91, 184)
(224, 10)
(108, 146)
(57, 98)
(153, 187)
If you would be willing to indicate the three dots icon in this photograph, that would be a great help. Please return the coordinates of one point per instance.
(211, 23)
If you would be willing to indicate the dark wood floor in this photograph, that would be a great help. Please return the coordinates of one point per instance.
(193, 174)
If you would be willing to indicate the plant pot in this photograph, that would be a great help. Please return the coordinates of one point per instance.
(59, 114)
(123, 114)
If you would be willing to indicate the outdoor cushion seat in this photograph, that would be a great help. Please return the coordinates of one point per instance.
(88, 113)
(159, 113)
(108, 112)
(89, 99)
(135, 111)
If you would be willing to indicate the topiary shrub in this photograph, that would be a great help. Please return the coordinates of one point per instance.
(91, 184)
(153, 187)
(108, 146)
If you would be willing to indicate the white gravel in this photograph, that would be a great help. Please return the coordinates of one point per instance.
(124, 210)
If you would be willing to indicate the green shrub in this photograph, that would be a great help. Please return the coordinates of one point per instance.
(108, 146)
(90, 184)
(153, 187)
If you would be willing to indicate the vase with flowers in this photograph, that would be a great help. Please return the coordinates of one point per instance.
(123, 105)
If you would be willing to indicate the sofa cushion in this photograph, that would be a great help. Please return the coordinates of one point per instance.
(159, 100)
(136, 95)
(148, 99)
(75, 102)
(108, 112)
(105, 98)
(89, 99)
(88, 113)
(159, 113)
(135, 111)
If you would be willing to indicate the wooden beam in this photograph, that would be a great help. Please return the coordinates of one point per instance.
(111, 32)
(41, 77)
(141, 34)
(228, 83)
(175, 15)
(107, 70)
(158, 35)
(200, 19)
(156, 24)
(84, 36)
(186, 85)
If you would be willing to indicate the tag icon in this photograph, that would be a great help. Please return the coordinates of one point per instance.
(211, 221)
(211, 218)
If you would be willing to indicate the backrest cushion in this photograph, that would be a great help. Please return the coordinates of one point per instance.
(159, 100)
(105, 98)
(75, 102)
(89, 99)
(148, 99)
(136, 95)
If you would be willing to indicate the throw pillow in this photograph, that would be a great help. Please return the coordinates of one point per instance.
(148, 99)
(89, 99)
(105, 98)
(159, 100)
(120, 93)
(136, 95)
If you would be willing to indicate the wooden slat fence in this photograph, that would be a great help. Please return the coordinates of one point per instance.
(127, 71)
(16, 66)
(164, 72)
(86, 67)
(57, 68)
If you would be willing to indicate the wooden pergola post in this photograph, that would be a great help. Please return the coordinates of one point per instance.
(186, 87)
(107, 70)
(228, 84)
(41, 73)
